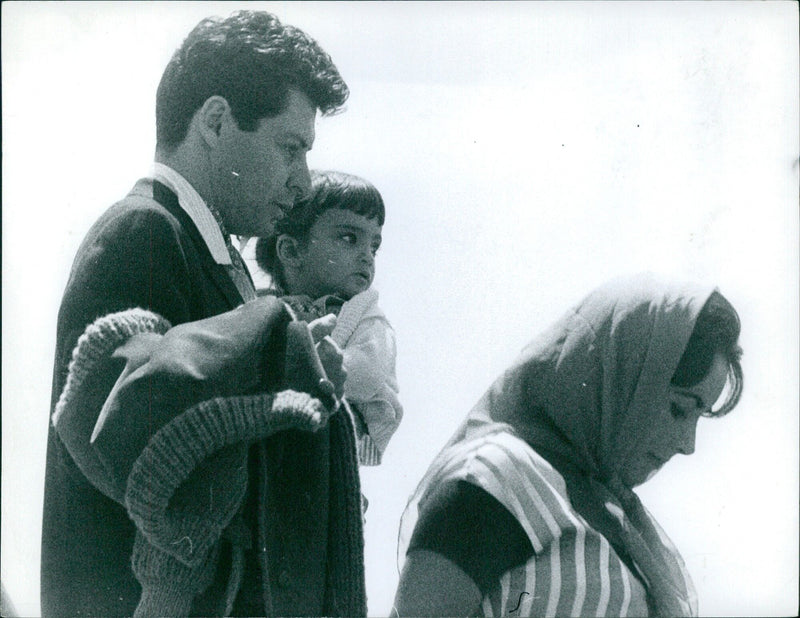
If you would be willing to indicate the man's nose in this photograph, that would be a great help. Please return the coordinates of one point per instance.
(300, 182)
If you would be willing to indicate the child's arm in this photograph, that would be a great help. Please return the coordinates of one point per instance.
(369, 357)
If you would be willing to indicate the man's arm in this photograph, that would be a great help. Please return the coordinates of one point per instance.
(132, 390)
(135, 255)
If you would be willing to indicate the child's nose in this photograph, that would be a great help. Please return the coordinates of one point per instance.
(367, 255)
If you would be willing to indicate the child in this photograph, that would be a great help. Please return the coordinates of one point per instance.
(321, 260)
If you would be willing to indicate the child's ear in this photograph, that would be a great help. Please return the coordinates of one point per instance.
(288, 250)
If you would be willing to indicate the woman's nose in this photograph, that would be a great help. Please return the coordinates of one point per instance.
(686, 439)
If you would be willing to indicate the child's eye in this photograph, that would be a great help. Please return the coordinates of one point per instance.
(677, 411)
(349, 238)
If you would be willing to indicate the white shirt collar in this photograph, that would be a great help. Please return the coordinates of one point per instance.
(196, 208)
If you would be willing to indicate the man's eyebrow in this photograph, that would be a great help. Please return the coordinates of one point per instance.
(299, 138)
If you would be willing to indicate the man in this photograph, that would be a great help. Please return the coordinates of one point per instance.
(235, 114)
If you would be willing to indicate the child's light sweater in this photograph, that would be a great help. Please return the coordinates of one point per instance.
(368, 344)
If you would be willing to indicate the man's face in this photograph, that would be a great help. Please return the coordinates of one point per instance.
(259, 175)
(339, 255)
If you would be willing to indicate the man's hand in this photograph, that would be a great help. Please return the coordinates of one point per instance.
(330, 355)
(322, 327)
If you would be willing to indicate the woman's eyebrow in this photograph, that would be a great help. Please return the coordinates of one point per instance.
(698, 400)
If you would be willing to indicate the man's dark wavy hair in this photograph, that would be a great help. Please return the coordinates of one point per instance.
(250, 59)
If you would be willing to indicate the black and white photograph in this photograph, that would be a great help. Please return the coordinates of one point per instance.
(400, 308)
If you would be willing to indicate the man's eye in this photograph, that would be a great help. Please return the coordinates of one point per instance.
(349, 238)
(677, 411)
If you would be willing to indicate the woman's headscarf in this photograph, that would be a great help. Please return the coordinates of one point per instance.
(581, 395)
(585, 388)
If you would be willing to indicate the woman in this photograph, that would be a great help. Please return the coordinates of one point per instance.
(529, 510)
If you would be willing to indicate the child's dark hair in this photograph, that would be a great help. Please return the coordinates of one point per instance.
(329, 190)
(715, 331)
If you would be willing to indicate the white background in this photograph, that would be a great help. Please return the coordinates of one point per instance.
(526, 152)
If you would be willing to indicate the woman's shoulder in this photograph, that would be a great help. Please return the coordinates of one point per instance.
(507, 468)
(509, 458)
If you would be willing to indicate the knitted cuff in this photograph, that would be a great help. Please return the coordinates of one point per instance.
(99, 341)
(168, 586)
(381, 418)
(368, 452)
(182, 529)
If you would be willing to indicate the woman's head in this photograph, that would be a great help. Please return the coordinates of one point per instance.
(708, 367)
(326, 244)
(604, 387)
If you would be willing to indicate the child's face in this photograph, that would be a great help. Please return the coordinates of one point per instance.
(339, 256)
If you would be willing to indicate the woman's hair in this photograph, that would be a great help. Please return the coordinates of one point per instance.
(329, 190)
(716, 331)
(250, 59)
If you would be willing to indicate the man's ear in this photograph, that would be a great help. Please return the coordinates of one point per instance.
(288, 250)
(210, 118)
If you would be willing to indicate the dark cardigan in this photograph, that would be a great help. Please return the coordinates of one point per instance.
(184, 484)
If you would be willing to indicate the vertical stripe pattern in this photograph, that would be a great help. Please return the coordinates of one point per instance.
(573, 571)
(605, 591)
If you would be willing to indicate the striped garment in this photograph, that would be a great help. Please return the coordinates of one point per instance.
(574, 571)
